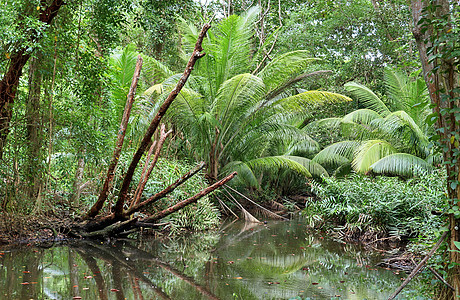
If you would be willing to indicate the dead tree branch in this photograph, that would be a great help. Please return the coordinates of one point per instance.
(419, 266)
(145, 177)
(118, 146)
(193, 199)
(155, 122)
(256, 204)
(167, 190)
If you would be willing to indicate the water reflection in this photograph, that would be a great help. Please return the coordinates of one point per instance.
(280, 260)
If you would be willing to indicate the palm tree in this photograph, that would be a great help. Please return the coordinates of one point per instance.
(386, 138)
(235, 119)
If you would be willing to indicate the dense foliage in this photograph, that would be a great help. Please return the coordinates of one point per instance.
(361, 205)
(385, 136)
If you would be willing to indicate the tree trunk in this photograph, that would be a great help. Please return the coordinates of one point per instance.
(442, 79)
(34, 165)
(78, 182)
(10, 80)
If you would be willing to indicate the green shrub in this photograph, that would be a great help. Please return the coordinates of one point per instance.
(199, 216)
(379, 205)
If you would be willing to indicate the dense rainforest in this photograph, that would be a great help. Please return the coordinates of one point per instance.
(118, 116)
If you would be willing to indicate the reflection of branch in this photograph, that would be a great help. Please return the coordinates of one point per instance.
(117, 283)
(140, 254)
(97, 275)
(102, 253)
(185, 278)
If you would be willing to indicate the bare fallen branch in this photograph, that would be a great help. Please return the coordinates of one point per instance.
(193, 199)
(419, 266)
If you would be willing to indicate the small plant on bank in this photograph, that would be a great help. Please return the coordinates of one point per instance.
(368, 207)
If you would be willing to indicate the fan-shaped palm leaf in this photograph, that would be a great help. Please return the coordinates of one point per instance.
(332, 123)
(370, 152)
(314, 168)
(282, 69)
(337, 154)
(361, 116)
(271, 163)
(400, 127)
(122, 65)
(245, 176)
(401, 164)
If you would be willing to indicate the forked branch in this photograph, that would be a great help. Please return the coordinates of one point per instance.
(156, 121)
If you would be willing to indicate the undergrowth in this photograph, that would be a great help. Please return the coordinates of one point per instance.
(379, 206)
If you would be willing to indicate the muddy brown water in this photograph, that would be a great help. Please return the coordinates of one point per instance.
(277, 260)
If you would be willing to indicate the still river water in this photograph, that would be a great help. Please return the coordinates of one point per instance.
(279, 260)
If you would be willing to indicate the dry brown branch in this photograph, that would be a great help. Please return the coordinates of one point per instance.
(247, 216)
(419, 266)
(147, 160)
(145, 176)
(167, 190)
(193, 199)
(155, 122)
(120, 139)
(437, 275)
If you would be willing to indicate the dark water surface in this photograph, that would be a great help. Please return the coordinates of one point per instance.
(280, 260)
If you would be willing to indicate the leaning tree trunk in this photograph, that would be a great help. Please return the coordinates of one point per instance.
(441, 74)
(120, 221)
(10, 81)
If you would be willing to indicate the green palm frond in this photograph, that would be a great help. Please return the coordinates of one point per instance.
(314, 168)
(357, 131)
(407, 95)
(236, 96)
(370, 152)
(122, 65)
(361, 116)
(367, 98)
(303, 147)
(245, 176)
(154, 71)
(284, 68)
(396, 84)
(401, 128)
(332, 123)
(307, 100)
(401, 164)
(273, 163)
(337, 154)
(359, 124)
(230, 49)
(154, 90)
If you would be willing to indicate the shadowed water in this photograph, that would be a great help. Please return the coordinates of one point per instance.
(280, 260)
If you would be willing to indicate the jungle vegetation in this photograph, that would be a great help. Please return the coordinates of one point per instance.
(283, 92)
